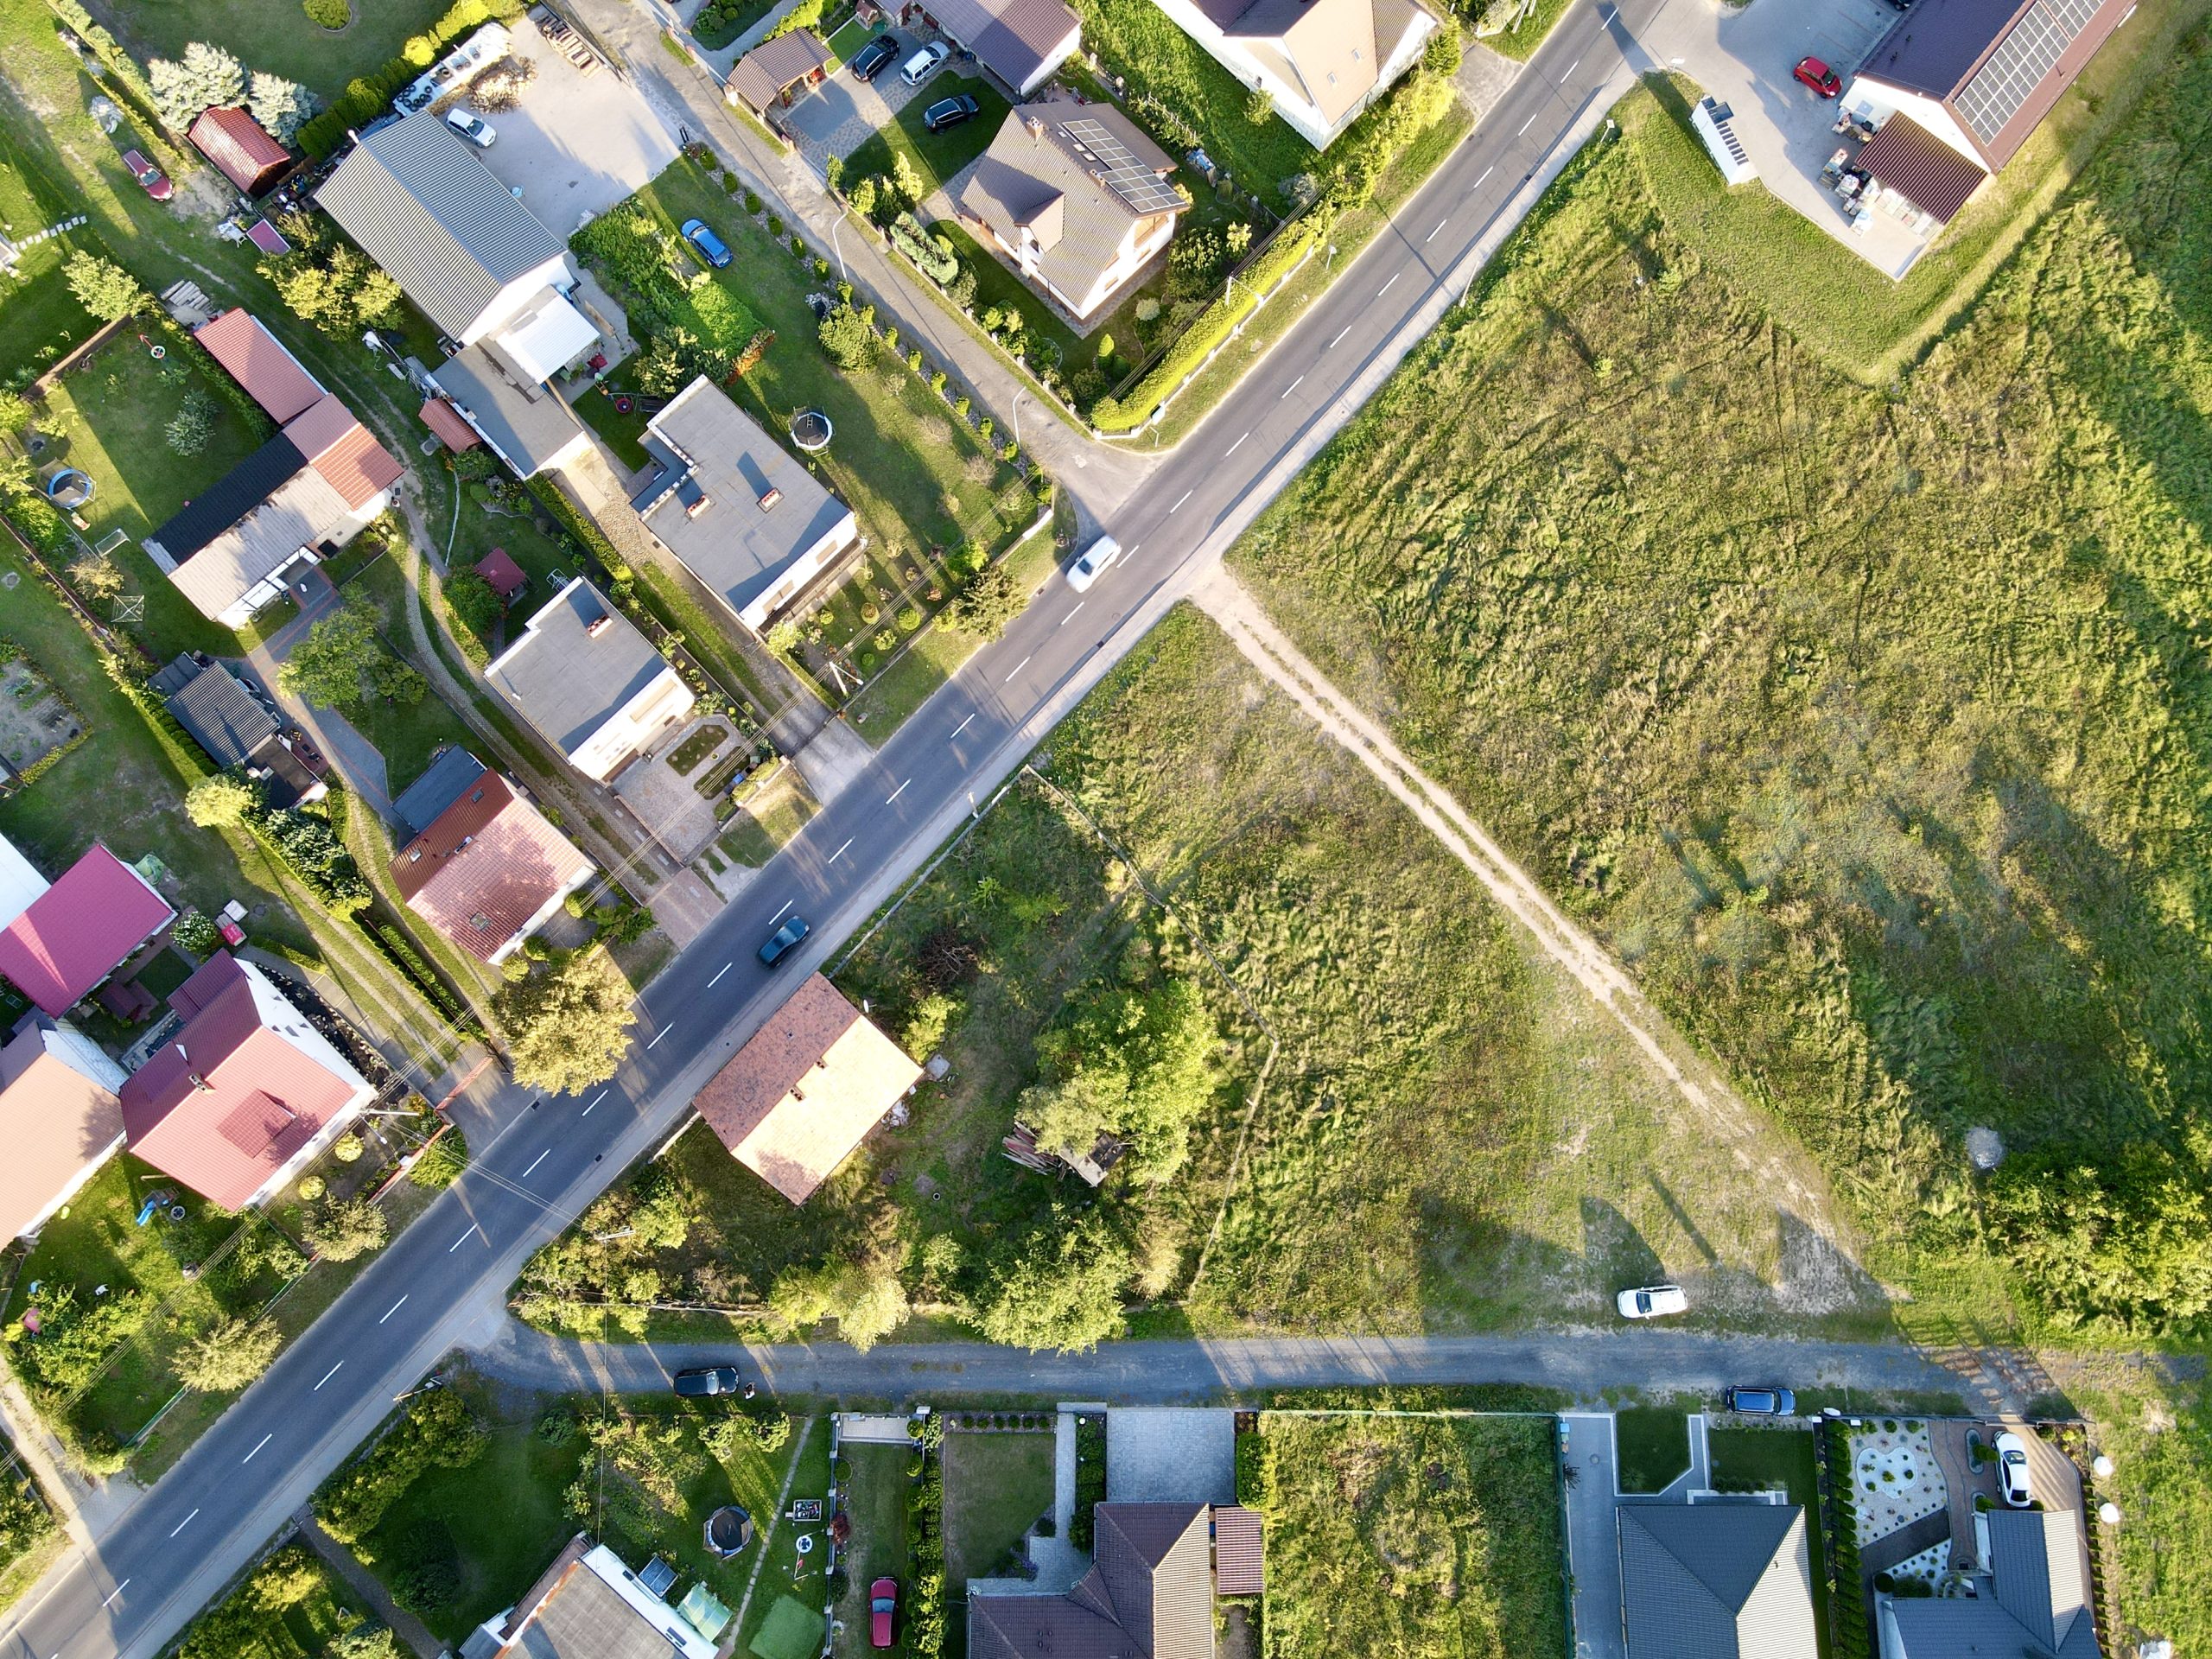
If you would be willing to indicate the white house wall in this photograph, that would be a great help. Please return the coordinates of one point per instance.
(518, 295)
(666, 699)
(1876, 101)
(802, 570)
(1304, 117)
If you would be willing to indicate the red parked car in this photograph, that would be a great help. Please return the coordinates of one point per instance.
(1818, 76)
(156, 181)
(882, 1603)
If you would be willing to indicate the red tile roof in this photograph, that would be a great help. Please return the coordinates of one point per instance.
(54, 1120)
(257, 359)
(225, 1102)
(499, 567)
(343, 452)
(81, 929)
(487, 865)
(454, 432)
(242, 152)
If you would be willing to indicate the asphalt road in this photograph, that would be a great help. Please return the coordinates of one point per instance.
(148, 1576)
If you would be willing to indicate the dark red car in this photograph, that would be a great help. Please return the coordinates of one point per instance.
(156, 181)
(1812, 73)
(882, 1603)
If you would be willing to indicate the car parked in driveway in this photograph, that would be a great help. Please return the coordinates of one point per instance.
(474, 128)
(915, 69)
(711, 247)
(882, 1607)
(1760, 1403)
(1811, 72)
(155, 182)
(784, 940)
(2012, 1470)
(869, 61)
(1651, 1301)
(706, 1382)
(950, 112)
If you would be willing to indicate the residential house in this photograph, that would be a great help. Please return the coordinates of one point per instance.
(1981, 74)
(1075, 198)
(488, 871)
(1149, 1593)
(59, 1119)
(2032, 1598)
(235, 547)
(238, 726)
(496, 282)
(805, 1089)
(241, 151)
(1019, 42)
(503, 575)
(20, 882)
(590, 682)
(244, 1093)
(764, 77)
(64, 942)
(450, 775)
(1716, 1581)
(750, 522)
(1323, 61)
(588, 1605)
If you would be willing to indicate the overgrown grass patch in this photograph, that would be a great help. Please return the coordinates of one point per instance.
(876, 1484)
(1420, 1537)
(1860, 741)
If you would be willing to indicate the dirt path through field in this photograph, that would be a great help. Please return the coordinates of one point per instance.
(1711, 1106)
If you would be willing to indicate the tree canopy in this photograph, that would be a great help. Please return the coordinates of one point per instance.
(220, 801)
(342, 1228)
(102, 287)
(1059, 1287)
(568, 1027)
(1135, 1064)
(229, 1356)
(205, 78)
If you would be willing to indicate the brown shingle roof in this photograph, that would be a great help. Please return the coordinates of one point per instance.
(1016, 40)
(257, 359)
(761, 74)
(1920, 167)
(805, 1089)
(343, 452)
(1239, 1552)
(242, 152)
(454, 432)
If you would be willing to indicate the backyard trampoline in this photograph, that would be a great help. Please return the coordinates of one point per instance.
(69, 489)
(811, 431)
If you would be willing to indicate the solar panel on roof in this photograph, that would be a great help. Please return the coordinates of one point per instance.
(2021, 60)
(1128, 178)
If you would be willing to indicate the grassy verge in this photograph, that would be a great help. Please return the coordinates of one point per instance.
(1653, 1445)
(289, 1605)
(1520, 42)
(1412, 1537)
(995, 1487)
(1871, 796)
(936, 156)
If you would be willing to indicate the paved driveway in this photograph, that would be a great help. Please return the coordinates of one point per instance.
(1744, 58)
(1592, 1550)
(1172, 1455)
(577, 144)
(836, 117)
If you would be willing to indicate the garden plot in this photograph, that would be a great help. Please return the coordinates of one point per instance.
(37, 725)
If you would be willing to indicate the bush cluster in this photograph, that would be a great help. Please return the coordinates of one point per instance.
(925, 1533)
(439, 1431)
(366, 97)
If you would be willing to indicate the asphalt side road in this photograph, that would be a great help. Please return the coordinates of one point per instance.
(1583, 1362)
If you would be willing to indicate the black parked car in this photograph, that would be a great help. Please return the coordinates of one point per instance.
(707, 1382)
(949, 112)
(784, 940)
(868, 62)
(1760, 1403)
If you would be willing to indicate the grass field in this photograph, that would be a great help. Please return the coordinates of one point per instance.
(42, 320)
(1417, 1537)
(936, 156)
(1653, 1445)
(274, 36)
(1872, 747)
(2157, 1430)
(875, 1498)
(996, 1486)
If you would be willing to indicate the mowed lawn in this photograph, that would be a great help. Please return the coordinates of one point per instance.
(996, 1485)
(1417, 1537)
(1860, 741)
(1652, 1444)
(875, 1498)
(109, 416)
(936, 156)
(274, 36)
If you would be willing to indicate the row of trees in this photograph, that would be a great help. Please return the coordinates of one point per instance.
(206, 77)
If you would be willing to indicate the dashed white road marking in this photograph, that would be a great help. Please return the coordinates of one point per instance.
(1018, 667)
(393, 1309)
(840, 852)
(462, 1240)
(671, 1026)
(1292, 387)
(1388, 286)
(1341, 332)
(596, 1099)
(535, 1162)
(1486, 172)
(1233, 447)
(327, 1375)
(897, 793)
(778, 916)
(1440, 224)
(717, 979)
(1186, 496)
(1530, 123)
(962, 727)
(125, 1584)
(1079, 604)
(249, 1457)
(182, 1524)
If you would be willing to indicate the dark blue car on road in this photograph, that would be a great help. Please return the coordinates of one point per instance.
(784, 940)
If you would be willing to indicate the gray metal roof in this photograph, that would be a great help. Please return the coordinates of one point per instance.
(716, 458)
(586, 1619)
(526, 423)
(222, 716)
(442, 783)
(1716, 1581)
(569, 682)
(423, 205)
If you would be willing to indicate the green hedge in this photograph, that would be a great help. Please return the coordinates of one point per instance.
(366, 96)
(438, 1432)
(110, 54)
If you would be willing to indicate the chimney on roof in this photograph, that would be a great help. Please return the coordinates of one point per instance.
(1037, 127)
(701, 502)
(767, 499)
(598, 626)
(199, 1083)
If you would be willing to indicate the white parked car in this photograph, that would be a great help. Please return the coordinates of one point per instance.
(1652, 1301)
(2012, 1470)
(917, 68)
(474, 128)
(1096, 557)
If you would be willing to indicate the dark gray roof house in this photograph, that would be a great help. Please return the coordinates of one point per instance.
(1716, 1581)
(763, 75)
(522, 421)
(423, 205)
(236, 725)
(1148, 1595)
(1981, 74)
(444, 781)
(740, 513)
(2035, 1602)
(1021, 41)
(590, 681)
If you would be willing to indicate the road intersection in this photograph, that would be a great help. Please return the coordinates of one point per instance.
(146, 1577)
